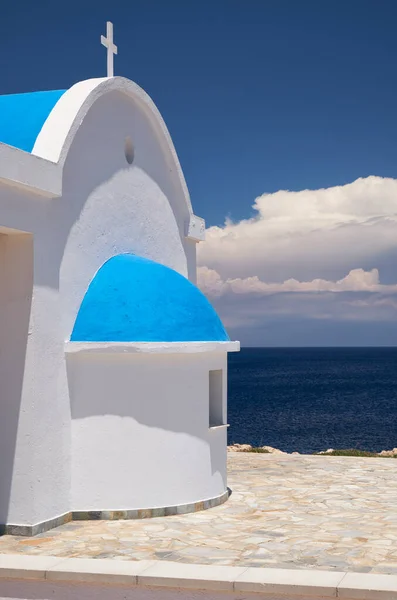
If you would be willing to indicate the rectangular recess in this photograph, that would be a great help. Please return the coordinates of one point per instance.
(216, 413)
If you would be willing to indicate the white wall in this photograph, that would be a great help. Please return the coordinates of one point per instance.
(38, 482)
(140, 430)
(116, 207)
(107, 207)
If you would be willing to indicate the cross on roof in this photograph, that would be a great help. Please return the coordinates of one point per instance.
(112, 48)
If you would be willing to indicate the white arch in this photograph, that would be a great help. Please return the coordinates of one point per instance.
(57, 134)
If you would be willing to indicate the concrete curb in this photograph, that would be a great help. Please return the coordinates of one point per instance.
(299, 583)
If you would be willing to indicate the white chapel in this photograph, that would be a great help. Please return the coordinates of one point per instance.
(113, 365)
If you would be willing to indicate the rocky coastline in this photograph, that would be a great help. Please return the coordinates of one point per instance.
(331, 451)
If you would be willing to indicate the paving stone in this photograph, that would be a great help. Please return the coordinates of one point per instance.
(317, 512)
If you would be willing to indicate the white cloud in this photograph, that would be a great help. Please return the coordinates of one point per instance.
(307, 235)
(326, 255)
(357, 280)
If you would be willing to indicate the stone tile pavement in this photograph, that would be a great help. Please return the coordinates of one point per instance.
(316, 512)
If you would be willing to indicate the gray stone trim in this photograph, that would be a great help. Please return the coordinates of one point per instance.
(112, 515)
(31, 530)
(148, 513)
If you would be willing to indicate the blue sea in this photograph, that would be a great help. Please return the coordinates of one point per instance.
(311, 399)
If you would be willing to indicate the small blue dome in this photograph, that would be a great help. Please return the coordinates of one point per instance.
(132, 299)
(23, 115)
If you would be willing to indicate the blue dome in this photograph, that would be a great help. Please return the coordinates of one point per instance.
(132, 299)
(23, 115)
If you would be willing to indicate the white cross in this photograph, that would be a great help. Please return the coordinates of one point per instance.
(108, 43)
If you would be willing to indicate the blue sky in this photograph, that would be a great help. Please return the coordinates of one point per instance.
(259, 96)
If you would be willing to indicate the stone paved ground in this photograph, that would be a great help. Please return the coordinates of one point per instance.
(285, 511)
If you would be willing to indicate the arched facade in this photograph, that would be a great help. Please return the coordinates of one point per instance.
(94, 176)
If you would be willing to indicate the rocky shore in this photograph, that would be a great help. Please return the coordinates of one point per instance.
(349, 452)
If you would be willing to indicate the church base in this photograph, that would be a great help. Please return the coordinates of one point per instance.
(113, 515)
(32, 530)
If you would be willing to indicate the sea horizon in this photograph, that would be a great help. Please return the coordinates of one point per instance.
(308, 399)
(316, 347)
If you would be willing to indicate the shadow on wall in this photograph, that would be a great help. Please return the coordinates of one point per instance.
(95, 159)
(157, 395)
(16, 287)
(161, 391)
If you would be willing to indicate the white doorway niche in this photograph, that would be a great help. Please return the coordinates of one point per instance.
(16, 286)
(216, 403)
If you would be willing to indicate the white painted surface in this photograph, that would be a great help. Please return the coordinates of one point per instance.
(150, 347)
(29, 173)
(59, 130)
(111, 47)
(41, 578)
(140, 430)
(107, 207)
(117, 208)
(42, 171)
(36, 484)
(196, 229)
